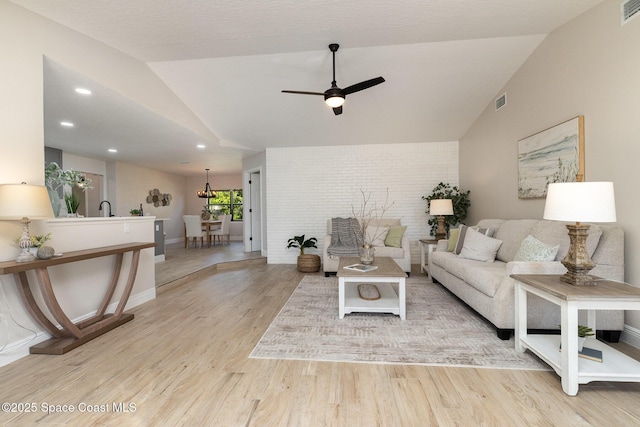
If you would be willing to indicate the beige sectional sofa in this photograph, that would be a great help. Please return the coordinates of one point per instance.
(401, 255)
(488, 288)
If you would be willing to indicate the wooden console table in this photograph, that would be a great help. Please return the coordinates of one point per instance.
(71, 335)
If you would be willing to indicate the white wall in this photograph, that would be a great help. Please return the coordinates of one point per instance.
(590, 67)
(132, 185)
(306, 186)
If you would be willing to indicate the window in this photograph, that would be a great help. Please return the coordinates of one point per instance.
(226, 202)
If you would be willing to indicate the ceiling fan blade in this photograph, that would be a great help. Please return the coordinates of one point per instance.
(300, 92)
(363, 85)
(337, 111)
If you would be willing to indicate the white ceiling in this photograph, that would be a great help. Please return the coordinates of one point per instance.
(228, 60)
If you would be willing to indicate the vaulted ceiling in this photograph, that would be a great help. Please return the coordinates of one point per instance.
(443, 62)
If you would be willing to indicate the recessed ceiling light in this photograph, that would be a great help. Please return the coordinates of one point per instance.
(83, 91)
(201, 146)
(112, 150)
(184, 162)
(67, 124)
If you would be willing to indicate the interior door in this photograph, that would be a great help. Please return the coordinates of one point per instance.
(255, 211)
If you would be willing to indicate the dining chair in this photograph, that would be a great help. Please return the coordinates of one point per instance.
(193, 230)
(224, 230)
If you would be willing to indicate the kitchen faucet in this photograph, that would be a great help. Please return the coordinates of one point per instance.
(109, 203)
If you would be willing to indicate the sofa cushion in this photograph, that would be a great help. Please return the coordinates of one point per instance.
(394, 236)
(389, 251)
(376, 235)
(512, 232)
(486, 277)
(483, 276)
(556, 233)
(479, 247)
(532, 249)
(462, 232)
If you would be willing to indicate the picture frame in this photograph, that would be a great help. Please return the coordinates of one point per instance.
(555, 154)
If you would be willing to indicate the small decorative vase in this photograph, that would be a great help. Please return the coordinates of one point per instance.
(367, 254)
(581, 341)
(56, 203)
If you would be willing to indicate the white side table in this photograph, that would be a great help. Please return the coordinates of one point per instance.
(607, 295)
(426, 247)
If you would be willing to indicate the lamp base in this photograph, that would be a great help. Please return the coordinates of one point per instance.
(441, 232)
(577, 261)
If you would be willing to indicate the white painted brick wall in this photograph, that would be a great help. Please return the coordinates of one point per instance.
(308, 185)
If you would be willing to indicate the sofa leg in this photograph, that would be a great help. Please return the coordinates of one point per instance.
(504, 334)
(610, 336)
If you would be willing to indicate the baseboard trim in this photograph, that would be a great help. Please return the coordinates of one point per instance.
(631, 336)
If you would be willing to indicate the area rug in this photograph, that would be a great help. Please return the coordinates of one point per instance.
(438, 330)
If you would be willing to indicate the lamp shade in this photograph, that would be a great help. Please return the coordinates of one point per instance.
(21, 200)
(441, 207)
(580, 202)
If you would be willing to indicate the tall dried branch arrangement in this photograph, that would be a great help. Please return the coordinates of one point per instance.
(368, 212)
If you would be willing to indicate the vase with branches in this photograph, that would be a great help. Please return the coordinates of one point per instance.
(365, 214)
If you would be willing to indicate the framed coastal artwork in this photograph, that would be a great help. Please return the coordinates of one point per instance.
(552, 155)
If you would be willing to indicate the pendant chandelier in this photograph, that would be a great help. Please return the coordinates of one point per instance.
(207, 193)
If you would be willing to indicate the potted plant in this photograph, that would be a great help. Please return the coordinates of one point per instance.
(71, 202)
(459, 199)
(135, 212)
(583, 333)
(307, 263)
(55, 178)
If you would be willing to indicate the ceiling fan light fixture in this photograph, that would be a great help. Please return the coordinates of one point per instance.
(334, 97)
(335, 101)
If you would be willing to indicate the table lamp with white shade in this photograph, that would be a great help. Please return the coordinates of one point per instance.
(439, 208)
(579, 202)
(22, 202)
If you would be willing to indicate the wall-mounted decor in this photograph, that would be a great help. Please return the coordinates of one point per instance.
(552, 155)
(158, 199)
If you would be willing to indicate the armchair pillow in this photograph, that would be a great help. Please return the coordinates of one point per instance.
(394, 236)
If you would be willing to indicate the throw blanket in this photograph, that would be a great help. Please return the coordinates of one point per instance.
(346, 237)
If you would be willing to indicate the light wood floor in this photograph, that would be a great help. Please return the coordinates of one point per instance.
(183, 361)
(180, 262)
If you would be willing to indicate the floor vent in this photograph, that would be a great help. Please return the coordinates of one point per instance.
(630, 9)
(502, 100)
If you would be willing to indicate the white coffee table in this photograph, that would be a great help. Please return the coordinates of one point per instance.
(387, 273)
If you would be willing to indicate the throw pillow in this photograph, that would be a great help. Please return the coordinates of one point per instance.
(376, 235)
(394, 236)
(460, 242)
(479, 247)
(532, 249)
(485, 231)
(454, 235)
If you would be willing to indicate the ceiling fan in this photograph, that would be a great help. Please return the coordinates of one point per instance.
(334, 96)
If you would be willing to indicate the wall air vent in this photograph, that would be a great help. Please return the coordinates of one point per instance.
(502, 100)
(630, 9)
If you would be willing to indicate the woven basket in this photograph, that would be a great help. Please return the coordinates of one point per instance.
(308, 263)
